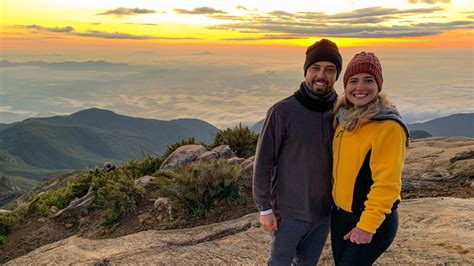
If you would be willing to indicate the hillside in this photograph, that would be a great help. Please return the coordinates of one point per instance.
(453, 125)
(11, 165)
(90, 137)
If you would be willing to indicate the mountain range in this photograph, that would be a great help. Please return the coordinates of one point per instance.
(36, 147)
(453, 125)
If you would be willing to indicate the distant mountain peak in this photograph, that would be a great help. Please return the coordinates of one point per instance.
(94, 110)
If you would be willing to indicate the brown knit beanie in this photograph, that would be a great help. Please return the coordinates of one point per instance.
(323, 50)
(364, 63)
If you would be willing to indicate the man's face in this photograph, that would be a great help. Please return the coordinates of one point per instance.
(320, 77)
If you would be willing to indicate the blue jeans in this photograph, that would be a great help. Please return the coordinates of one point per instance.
(298, 241)
(347, 253)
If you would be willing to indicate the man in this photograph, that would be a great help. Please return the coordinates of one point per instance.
(293, 164)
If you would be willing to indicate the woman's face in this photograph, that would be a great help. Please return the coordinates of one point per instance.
(361, 89)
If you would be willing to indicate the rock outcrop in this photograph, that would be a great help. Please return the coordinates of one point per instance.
(432, 230)
(182, 155)
(434, 166)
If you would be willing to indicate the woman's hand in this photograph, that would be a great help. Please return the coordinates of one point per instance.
(358, 236)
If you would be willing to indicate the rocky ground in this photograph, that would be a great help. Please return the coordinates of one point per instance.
(434, 230)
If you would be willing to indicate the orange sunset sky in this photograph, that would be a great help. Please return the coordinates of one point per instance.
(82, 26)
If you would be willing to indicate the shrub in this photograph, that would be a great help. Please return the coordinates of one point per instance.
(198, 187)
(171, 148)
(116, 195)
(7, 220)
(60, 197)
(240, 139)
(2, 239)
(147, 166)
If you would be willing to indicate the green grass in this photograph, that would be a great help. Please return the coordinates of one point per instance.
(196, 188)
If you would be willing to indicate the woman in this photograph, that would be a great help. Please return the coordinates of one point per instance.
(369, 152)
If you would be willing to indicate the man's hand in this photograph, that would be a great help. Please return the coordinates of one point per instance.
(269, 222)
(358, 236)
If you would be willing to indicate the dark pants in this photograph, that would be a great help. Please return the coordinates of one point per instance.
(347, 253)
(298, 241)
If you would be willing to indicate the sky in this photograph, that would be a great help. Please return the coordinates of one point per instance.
(223, 61)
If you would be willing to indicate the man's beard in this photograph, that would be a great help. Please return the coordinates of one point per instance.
(319, 92)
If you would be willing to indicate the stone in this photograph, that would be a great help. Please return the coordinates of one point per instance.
(54, 209)
(247, 162)
(144, 181)
(208, 156)
(76, 208)
(145, 218)
(163, 209)
(183, 155)
(42, 219)
(234, 160)
(68, 226)
(223, 151)
(161, 204)
(247, 172)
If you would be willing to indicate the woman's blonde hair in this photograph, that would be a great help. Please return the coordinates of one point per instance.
(360, 114)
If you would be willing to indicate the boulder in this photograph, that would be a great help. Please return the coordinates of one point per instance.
(183, 155)
(234, 160)
(77, 208)
(247, 162)
(54, 209)
(223, 151)
(144, 181)
(246, 167)
(145, 218)
(208, 156)
(163, 209)
(161, 204)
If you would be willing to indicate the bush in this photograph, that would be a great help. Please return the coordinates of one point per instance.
(240, 139)
(2, 239)
(171, 148)
(196, 188)
(135, 169)
(116, 195)
(61, 197)
(7, 220)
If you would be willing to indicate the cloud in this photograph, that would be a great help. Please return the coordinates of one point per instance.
(360, 23)
(227, 90)
(113, 35)
(122, 11)
(280, 13)
(203, 53)
(200, 11)
(431, 2)
(41, 28)
(382, 11)
(102, 34)
(246, 9)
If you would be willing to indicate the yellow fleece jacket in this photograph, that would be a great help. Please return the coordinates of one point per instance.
(383, 143)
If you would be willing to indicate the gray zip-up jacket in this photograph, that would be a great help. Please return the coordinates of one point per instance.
(293, 164)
